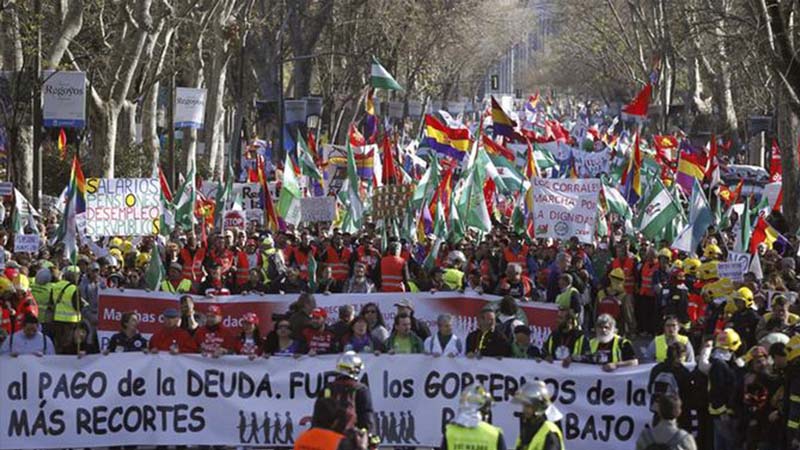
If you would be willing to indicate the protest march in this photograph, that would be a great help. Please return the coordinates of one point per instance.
(391, 264)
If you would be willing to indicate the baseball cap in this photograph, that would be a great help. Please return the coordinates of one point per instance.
(319, 312)
(214, 310)
(405, 303)
(171, 313)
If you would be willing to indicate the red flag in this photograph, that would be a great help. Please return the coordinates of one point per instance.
(164, 185)
(312, 146)
(389, 171)
(497, 149)
(775, 168)
(637, 108)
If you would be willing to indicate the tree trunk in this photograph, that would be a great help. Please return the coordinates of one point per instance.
(104, 138)
(301, 74)
(215, 110)
(21, 140)
(788, 123)
(150, 142)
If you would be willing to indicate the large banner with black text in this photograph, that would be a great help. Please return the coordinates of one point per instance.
(138, 399)
(464, 307)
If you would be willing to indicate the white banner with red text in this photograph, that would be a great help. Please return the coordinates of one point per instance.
(139, 399)
(464, 307)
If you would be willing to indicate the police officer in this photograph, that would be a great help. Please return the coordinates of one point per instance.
(468, 429)
(536, 431)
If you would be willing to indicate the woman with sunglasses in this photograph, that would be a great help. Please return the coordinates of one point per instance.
(377, 329)
(280, 342)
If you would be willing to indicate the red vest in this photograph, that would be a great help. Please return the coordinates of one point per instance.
(629, 267)
(648, 269)
(242, 268)
(193, 264)
(339, 263)
(392, 274)
(369, 259)
(318, 439)
(301, 259)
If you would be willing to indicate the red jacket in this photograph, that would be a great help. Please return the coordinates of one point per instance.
(163, 339)
(208, 340)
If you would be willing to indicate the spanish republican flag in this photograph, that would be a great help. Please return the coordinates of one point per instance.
(763, 233)
(502, 124)
(452, 142)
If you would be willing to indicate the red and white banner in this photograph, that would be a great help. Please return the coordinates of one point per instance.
(464, 307)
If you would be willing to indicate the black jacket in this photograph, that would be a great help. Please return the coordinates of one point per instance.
(494, 343)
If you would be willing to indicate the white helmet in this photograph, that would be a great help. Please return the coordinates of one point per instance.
(456, 257)
(535, 394)
(350, 364)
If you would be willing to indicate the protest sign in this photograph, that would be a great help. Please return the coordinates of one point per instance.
(565, 208)
(122, 206)
(147, 400)
(26, 243)
(318, 209)
(591, 164)
(249, 194)
(190, 107)
(234, 219)
(391, 201)
(733, 271)
(542, 317)
(294, 111)
(64, 99)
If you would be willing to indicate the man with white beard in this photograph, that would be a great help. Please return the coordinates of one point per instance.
(610, 349)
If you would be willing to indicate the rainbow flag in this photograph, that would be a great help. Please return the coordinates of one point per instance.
(452, 142)
(691, 166)
(501, 124)
(77, 186)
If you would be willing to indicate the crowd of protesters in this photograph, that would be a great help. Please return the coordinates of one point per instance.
(730, 351)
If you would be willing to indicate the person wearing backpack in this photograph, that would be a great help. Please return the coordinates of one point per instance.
(670, 377)
(469, 428)
(666, 435)
(352, 397)
(28, 341)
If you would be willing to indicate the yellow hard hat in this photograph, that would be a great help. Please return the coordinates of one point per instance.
(677, 264)
(728, 339)
(142, 259)
(712, 251)
(745, 295)
(793, 348)
(690, 265)
(666, 253)
(115, 252)
(708, 270)
(617, 273)
(115, 242)
(126, 246)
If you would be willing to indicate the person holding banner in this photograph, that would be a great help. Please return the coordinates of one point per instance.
(610, 349)
(28, 341)
(469, 428)
(487, 340)
(536, 431)
(128, 339)
(171, 337)
(567, 341)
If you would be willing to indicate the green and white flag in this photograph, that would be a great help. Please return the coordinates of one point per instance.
(663, 217)
(744, 229)
(471, 203)
(312, 273)
(491, 171)
(509, 174)
(349, 195)
(289, 199)
(307, 165)
(223, 194)
(381, 78)
(187, 196)
(155, 270)
(427, 184)
(617, 204)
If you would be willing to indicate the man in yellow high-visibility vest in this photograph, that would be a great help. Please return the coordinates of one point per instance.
(536, 431)
(469, 429)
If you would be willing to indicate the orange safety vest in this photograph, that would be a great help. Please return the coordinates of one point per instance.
(340, 264)
(648, 269)
(392, 274)
(193, 264)
(242, 268)
(520, 258)
(318, 439)
(628, 266)
(301, 258)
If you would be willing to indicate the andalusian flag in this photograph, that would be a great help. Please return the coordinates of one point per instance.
(289, 198)
(700, 218)
(350, 195)
(381, 78)
(187, 197)
(155, 273)
(617, 204)
(662, 217)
